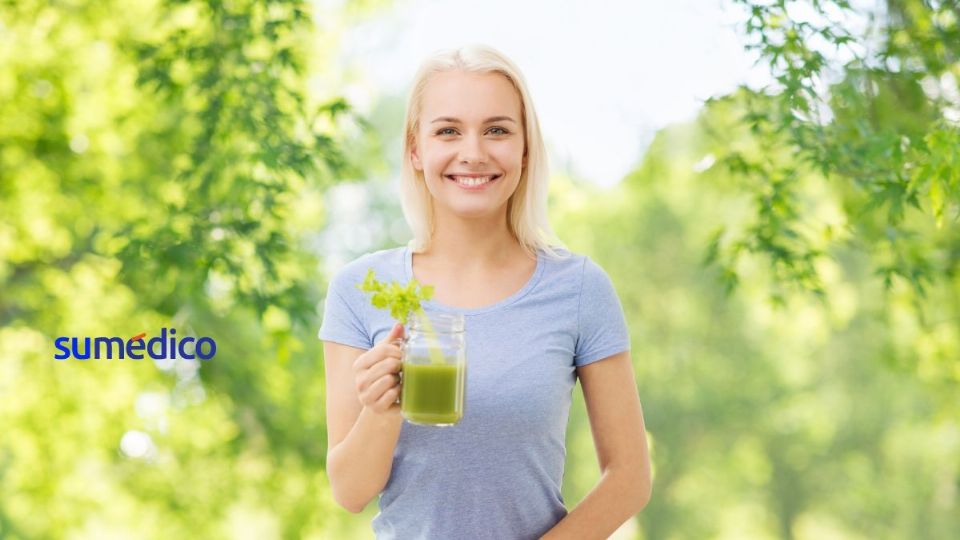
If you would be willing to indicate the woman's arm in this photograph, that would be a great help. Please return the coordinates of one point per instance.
(616, 421)
(360, 440)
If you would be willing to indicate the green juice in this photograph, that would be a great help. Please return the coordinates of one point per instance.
(432, 394)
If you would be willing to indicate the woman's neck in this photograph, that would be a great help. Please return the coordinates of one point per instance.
(466, 244)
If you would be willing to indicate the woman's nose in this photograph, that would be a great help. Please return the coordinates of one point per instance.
(472, 149)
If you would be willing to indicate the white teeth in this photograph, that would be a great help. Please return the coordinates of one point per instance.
(468, 181)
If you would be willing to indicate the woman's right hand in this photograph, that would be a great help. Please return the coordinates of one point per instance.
(376, 374)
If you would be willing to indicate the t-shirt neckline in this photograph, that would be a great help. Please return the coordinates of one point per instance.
(430, 304)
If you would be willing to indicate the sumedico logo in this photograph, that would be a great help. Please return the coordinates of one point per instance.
(162, 347)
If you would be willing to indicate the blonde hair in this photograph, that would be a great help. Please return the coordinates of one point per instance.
(527, 216)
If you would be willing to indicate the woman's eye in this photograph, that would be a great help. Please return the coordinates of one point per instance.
(444, 130)
(502, 131)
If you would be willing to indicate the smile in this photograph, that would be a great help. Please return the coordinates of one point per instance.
(472, 182)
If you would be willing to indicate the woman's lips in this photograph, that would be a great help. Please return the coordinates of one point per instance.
(477, 187)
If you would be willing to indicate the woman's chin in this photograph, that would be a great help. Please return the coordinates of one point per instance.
(469, 211)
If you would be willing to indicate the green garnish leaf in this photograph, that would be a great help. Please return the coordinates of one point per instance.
(399, 299)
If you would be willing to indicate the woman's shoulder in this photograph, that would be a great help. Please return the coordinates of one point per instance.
(572, 266)
(559, 255)
(563, 259)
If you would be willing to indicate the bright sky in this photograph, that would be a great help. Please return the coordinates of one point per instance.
(603, 79)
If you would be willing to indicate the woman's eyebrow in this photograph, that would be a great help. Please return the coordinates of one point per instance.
(487, 121)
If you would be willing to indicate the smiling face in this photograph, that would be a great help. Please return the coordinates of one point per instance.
(470, 142)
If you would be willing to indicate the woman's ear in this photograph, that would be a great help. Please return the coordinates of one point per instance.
(415, 159)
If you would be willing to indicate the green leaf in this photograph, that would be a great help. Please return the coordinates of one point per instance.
(401, 300)
(936, 201)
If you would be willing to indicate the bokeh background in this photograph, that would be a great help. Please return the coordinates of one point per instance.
(773, 187)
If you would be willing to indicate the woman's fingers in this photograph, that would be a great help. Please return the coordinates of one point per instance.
(376, 354)
(377, 381)
(385, 366)
(385, 347)
(390, 361)
(388, 399)
(383, 385)
(388, 365)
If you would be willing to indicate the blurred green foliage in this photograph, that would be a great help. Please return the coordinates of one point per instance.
(160, 165)
(802, 418)
(869, 101)
(169, 163)
(819, 401)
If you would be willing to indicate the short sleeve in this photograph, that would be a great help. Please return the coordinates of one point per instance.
(342, 320)
(602, 325)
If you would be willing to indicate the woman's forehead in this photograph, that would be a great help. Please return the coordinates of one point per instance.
(470, 97)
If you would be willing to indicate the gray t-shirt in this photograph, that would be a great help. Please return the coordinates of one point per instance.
(497, 473)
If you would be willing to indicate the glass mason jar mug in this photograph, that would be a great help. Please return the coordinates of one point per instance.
(433, 376)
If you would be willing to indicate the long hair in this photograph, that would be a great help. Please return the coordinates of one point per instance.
(527, 216)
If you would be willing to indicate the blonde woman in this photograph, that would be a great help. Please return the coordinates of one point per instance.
(474, 192)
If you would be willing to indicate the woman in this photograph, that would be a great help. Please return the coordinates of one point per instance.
(474, 191)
